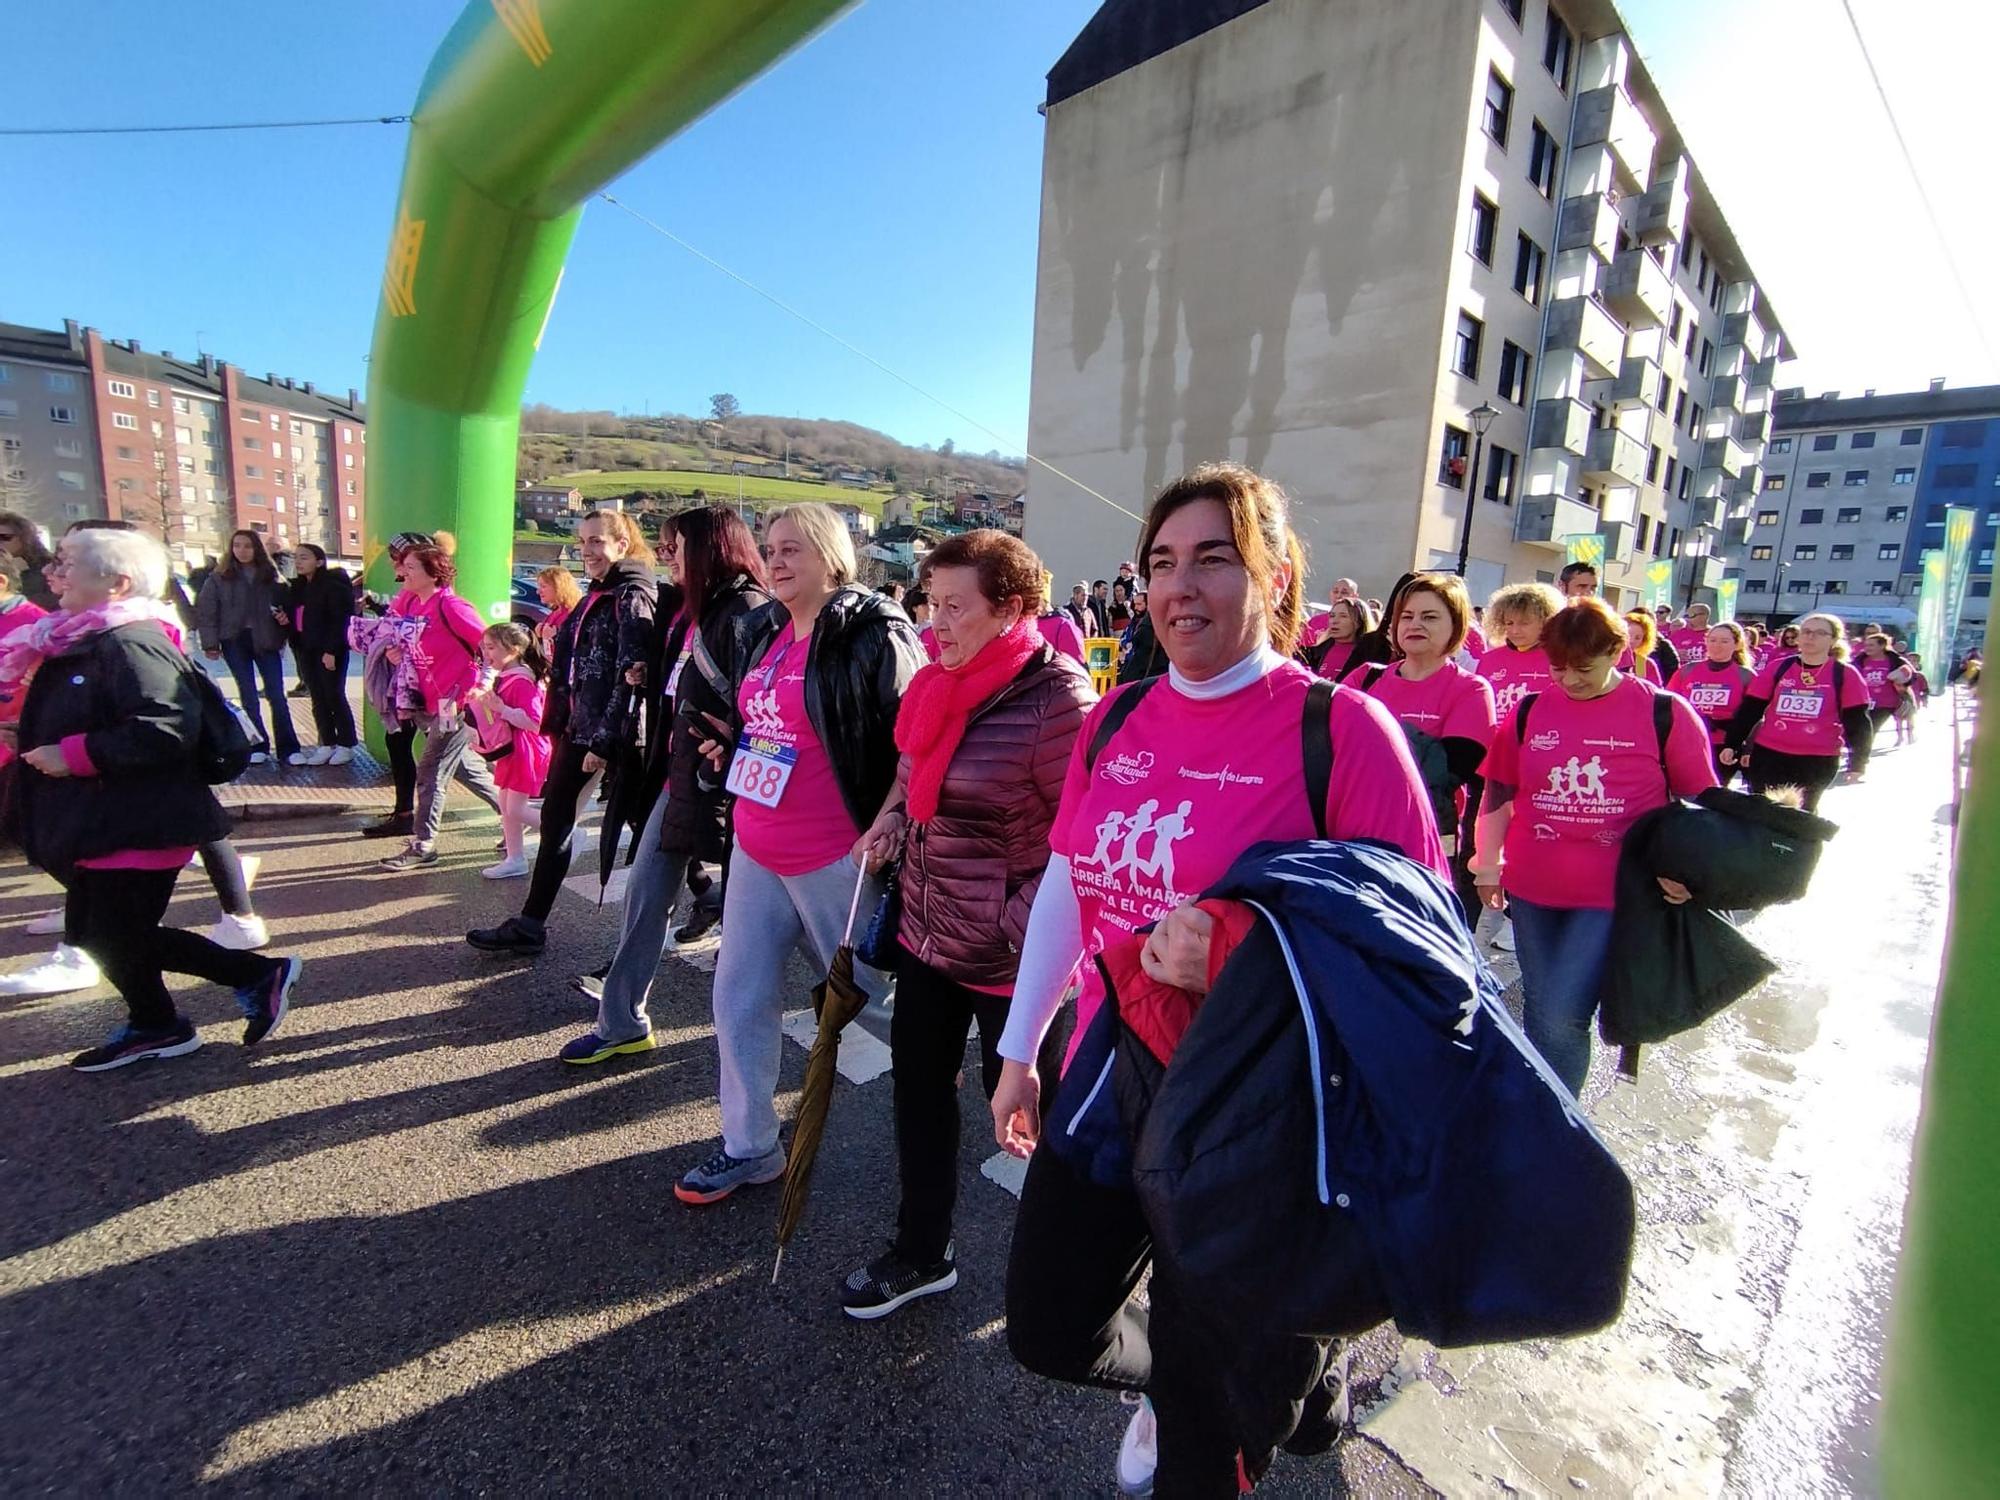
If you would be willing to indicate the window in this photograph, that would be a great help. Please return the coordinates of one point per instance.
(6, 374)
(351, 515)
(1760, 554)
(1707, 352)
(1954, 476)
(152, 397)
(1687, 481)
(1799, 586)
(183, 435)
(1514, 8)
(69, 479)
(1899, 513)
(276, 426)
(1543, 154)
(1888, 551)
(1465, 345)
(1781, 445)
(254, 500)
(64, 416)
(127, 454)
(1499, 106)
(251, 471)
(298, 429)
(1451, 457)
(181, 405)
(1855, 479)
(1823, 441)
(1558, 47)
(347, 460)
(1979, 588)
(1774, 482)
(124, 388)
(1689, 346)
(1811, 517)
(1666, 396)
(253, 416)
(1935, 517)
(347, 434)
(1767, 518)
(1680, 408)
(1501, 467)
(1694, 420)
(1513, 373)
(125, 420)
(1912, 437)
(58, 380)
(1756, 585)
(1951, 434)
(1805, 552)
(350, 490)
(1653, 464)
(298, 454)
(1820, 480)
(1528, 262)
(210, 466)
(1835, 586)
(208, 437)
(68, 448)
(1842, 552)
(1882, 586)
(1904, 476)
(1674, 323)
(1847, 514)
(255, 445)
(1668, 482)
(1862, 440)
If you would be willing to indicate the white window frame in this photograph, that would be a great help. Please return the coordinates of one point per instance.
(123, 389)
(125, 421)
(63, 416)
(58, 380)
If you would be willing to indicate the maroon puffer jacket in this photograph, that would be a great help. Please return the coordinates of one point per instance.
(970, 874)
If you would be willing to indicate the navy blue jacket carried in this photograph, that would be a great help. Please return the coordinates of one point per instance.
(1353, 1127)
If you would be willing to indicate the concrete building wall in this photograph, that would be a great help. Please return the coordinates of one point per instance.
(49, 469)
(1244, 254)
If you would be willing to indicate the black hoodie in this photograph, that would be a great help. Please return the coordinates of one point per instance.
(610, 629)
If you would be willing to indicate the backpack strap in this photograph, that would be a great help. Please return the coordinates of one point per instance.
(1521, 718)
(1663, 726)
(1373, 675)
(1316, 746)
(704, 663)
(1114, 718)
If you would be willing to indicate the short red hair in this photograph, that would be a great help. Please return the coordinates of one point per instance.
(434, 561)
(1585, 631)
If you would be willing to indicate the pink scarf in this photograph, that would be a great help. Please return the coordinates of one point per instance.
(25, 649)
(939, 702)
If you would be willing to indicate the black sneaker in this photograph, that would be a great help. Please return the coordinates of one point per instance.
(129, 1044)
(592, 984)
(885, 1284)
(395, 826)
(1324, 1416)
(701, 921)
(265, 1002)
(515, 935)
(411, 857)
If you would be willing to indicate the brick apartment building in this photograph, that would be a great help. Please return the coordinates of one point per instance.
(188, 450)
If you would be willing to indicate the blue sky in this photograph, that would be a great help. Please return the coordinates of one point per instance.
(886, 180)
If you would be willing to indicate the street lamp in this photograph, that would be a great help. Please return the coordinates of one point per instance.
(1481, 417)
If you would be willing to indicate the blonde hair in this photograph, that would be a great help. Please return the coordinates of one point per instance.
(1260, 527)
(820, 528)
(618, 523)
(12, 570)
(1839, 628)
(562, 583)
(1525, 601)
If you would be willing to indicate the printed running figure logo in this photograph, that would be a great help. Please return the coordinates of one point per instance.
(1577, 782)
(1506, 695)
(1118, 839)
(760, 714)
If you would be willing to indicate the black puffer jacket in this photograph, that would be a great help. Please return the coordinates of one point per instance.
(131, 695)
(737, 625)
(611, 628)
(864, 652)
(321, 606)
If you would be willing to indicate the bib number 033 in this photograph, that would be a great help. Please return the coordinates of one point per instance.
(760, 770)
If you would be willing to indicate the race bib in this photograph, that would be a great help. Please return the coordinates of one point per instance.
(674, 677)
(1707, 695)
(760, 770)
(1797, 705)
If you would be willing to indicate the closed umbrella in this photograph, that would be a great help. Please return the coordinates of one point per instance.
(837, 999)
(626, 803)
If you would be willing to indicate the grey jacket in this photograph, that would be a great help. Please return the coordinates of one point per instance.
(227, 607)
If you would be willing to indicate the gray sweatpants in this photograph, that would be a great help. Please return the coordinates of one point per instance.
(447, 752)
(652, 886)
(766, 916)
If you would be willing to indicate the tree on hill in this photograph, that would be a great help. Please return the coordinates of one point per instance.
(724, 407)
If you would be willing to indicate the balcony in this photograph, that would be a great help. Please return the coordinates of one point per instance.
(1727, 393)
(1746, 329)
(1635, 385)
(1578, 325)
(1607, 116)
(1614, 458)
(1638, 289)
(1726, 454)
(1736, 531)
(1764, 373)
(1619, 539)
(1709, 573)
(1754, 430)
(1560, 423)
(1747, 486)
(1551, 520)
(1660, 215)
(1588, 222)
(1708, 513)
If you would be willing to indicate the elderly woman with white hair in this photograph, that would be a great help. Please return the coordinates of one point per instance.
(112, 803)
(809, 758)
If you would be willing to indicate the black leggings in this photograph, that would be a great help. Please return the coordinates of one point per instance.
(560, 795)
(1079, 1251)
(1811, 774)
(224, 868)
(116, 917)
(402, 747)
(927, 1031)
(333, 718)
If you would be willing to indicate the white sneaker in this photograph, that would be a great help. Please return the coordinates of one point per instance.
(251, 863)
(320, 755)
(240, 933)
(1139, 1452)
(48, 924)
(62, 971)
(301, 758)
(258, 757)
(1503, 935)
(340, 755)
(508, 869)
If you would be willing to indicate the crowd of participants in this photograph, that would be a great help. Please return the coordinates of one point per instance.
(795, 739)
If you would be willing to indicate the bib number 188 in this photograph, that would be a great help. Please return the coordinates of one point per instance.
(758, 772)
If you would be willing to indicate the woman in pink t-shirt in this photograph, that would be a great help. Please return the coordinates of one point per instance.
(809, 762)
(1446, 712)
(1803, 710)
(1642, 638)
(1570, 771)
(1515, 665)
(1202, 763)
(1332, 656)
(1887, 673)
(1715, 685)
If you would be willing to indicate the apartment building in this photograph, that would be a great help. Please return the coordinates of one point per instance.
(49, 468)
(1318, 235)
(188, 450)
(1855, 491)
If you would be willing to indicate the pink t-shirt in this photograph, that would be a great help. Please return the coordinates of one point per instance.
(444, 655)
(1060, 631)
(1690, 643)
(1645, 670)
(525, 766)
(1882, 693)
(1186, 785)
(1586, 772)
(1715, 689)
(1513, 674)
(1803, 717)
(809, 829)
(1475, 642)
(1315, 628)
(928, 638)
(1336, 657)
(1451, 703)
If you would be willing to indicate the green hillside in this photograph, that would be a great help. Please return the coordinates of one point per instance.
(754, 488)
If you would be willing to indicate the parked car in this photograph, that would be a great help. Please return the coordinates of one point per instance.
(526, 604)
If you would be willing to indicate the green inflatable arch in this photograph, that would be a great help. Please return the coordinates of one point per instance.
(530, 106)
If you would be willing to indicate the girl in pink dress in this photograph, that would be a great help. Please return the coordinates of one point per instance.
(507, 727)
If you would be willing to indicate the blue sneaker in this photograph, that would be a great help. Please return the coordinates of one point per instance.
(128, 1044)
(264, 1003)
(592, 1048)
(722, 1174)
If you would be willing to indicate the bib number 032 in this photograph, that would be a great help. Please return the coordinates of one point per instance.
(760, 770)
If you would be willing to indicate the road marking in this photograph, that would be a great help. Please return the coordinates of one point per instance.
(862, 1059)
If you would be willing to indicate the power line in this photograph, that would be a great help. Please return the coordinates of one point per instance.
(1917, 181)
(187, 129)
(860, 353)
